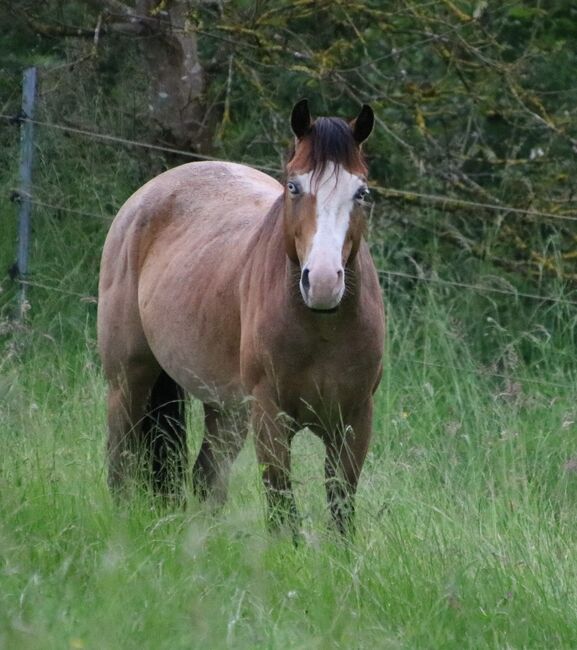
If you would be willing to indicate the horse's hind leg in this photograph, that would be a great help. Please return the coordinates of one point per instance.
(224, 435)
(164, 437)
(128, 392)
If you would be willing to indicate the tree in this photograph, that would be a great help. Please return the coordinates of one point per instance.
(167, 44)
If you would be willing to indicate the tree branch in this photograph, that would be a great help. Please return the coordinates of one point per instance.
(118, 18)
(56, 31)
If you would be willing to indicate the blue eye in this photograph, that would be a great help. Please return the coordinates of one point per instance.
(362, 194)
(293, 188)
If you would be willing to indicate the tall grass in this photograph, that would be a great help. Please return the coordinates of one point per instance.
(466, 510)
(466, 526)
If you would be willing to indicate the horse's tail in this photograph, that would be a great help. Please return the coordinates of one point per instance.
(164, 428)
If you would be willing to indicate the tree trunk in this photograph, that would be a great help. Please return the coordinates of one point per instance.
(168, 45)
(176, 75)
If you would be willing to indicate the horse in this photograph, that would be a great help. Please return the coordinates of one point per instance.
(250, 294)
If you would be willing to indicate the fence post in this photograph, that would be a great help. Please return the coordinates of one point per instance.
(25, 187)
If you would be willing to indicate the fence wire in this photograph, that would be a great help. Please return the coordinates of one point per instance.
(487, 373)
(387, 193)
(483, 372)
(17, 195)
(115, 139)
(477, 287)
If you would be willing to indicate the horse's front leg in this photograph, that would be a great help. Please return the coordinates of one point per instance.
(346, 449)
(273, 432)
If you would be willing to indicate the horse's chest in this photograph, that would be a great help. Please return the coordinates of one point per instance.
(326, 376)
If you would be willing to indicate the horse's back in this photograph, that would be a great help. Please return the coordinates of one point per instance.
(171, 266)
(210, 192)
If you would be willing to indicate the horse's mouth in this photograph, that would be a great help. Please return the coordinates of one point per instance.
(332, 310)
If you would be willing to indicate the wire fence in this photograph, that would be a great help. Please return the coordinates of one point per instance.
(17, 196)
(478, 287)
(441, 201)
(387, 192)
(436, 201)
(490, 373)
(114, 139)
(482, 371)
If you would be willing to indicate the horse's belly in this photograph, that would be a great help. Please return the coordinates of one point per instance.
(195, 340)
(211, 377)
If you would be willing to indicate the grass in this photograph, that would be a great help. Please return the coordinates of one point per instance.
(466, 510)
(467, 534)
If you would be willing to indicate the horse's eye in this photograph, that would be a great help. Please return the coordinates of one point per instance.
(362, 194)
(293, 188)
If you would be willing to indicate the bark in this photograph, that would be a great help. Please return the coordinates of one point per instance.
(169, 47)
(176, 75)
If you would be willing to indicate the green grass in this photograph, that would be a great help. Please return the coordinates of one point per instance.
(466, 523)
(467, 534)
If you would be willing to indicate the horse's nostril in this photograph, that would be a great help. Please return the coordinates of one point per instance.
(305, 280)
(340, 274)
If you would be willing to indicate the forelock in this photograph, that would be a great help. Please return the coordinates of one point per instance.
(330, 139)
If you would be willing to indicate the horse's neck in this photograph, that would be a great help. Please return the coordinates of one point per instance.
(272, 250)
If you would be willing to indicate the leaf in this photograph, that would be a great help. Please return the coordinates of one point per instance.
(480, 9)
(420, 120)
(524, 13)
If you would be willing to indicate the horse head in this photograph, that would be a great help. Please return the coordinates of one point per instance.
(325, 193)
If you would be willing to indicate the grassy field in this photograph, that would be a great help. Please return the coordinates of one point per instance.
(467, 506)
(467, 527)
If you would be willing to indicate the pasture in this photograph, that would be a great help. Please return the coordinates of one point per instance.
(466, 526)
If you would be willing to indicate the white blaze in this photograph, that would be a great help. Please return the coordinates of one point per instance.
(334, 190)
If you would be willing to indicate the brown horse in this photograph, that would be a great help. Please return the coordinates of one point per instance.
(220, 282)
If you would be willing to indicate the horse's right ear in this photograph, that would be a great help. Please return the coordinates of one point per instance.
(301, 118)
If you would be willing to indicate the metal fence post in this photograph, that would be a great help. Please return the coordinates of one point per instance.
(25, 188)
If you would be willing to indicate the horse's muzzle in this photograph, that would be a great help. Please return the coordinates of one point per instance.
(322, 289)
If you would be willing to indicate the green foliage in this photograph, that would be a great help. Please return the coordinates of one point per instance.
(474, 100)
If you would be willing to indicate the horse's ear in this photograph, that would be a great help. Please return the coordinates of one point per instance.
(363, 124)
(301, 118)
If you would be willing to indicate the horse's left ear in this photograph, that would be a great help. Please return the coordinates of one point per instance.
(363, 124)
